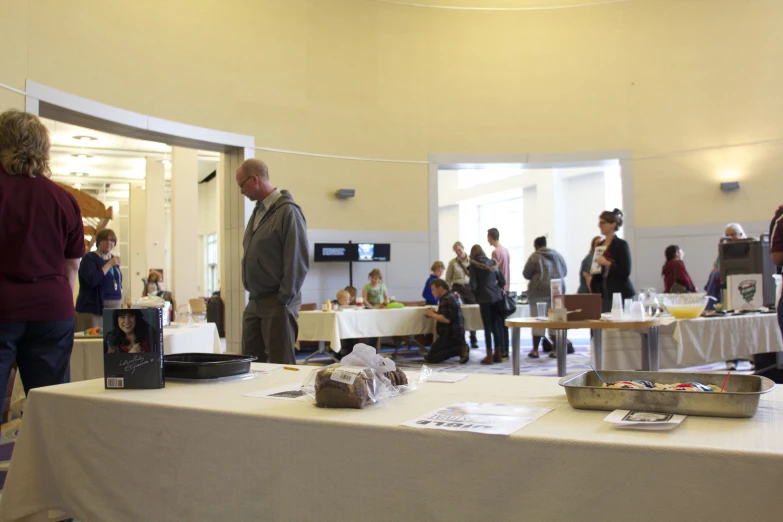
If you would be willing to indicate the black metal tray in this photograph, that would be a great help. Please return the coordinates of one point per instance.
(205, 365)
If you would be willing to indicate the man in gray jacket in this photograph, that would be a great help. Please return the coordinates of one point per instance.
(274, 266)
(541, 268)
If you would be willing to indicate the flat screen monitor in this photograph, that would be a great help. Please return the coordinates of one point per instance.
(352, 252)
(373, 252)
(335, 252)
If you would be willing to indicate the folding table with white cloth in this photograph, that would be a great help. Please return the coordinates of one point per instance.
(206, 452)
(693, 342)
(332, 326)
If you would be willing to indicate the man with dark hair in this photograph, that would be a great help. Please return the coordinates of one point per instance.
(450, 326)
(274, 266)
(544, 265)
(501, 256)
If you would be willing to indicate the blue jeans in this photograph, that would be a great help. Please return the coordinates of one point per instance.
(492, 319)
(41, 349)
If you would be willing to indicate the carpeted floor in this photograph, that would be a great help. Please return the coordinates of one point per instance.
(543, 366)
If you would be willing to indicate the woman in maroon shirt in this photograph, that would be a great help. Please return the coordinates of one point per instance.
(42, 240)
(674, 271)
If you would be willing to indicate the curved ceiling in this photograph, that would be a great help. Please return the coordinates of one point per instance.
(501, 5)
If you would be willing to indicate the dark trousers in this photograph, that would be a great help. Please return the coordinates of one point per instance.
(445, 347)
(492, 319)
(467, 298)
(41, 349)
(270, 329)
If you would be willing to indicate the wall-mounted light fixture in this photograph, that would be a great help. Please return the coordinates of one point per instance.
(729, 186)
(345, 193)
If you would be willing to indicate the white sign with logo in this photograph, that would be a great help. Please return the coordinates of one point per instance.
(745, 291)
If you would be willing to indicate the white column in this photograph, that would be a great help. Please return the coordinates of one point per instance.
(138, 243)
(155, 211)
(235, 213)
(184, 224)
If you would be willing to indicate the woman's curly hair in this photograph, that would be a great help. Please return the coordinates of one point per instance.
(24, 144)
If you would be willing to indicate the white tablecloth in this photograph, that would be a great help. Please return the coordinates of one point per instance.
(694, 342)
(87, 354)
(205, 452)
(726, 338)
(353, 324)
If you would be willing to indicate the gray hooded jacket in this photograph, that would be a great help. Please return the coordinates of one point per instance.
(275, 260)
(544, 265)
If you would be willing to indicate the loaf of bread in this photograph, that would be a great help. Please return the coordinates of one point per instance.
(397, 377)
(331, 393)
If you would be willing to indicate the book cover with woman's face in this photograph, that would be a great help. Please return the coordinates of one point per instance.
(133, 348)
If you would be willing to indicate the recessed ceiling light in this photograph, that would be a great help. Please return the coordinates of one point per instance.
(81, 156)
(80, 174)
(84, 138)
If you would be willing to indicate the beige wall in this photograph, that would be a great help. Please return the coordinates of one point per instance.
(363, 78)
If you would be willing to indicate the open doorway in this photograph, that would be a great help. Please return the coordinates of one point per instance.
(234, 210)
(108, 174)
(561, 203)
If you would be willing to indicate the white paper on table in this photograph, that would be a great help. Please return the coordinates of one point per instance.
(264, 367)
(444, 377)
(637, 420)
(290, 392)
(477, 417)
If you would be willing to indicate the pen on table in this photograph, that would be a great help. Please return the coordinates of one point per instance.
(598, 375)
(291, 368)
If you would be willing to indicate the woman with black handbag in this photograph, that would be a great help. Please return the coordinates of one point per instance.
(487, 284)
(675, 277)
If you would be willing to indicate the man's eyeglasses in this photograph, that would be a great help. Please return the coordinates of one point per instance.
(242, 184)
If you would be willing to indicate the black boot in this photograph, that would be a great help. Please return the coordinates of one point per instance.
(547, 345)
(534, 352)
(473, 340)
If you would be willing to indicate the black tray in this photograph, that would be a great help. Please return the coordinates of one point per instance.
(205, 365)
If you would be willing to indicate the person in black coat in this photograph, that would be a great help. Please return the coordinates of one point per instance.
(487, 283)
(615, 263)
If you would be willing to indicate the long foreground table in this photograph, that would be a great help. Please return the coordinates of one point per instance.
(205, 452)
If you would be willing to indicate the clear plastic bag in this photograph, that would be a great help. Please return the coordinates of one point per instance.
(363, 377)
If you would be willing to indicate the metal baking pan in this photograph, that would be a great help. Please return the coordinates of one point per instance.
(741, 398)
(205, 365)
